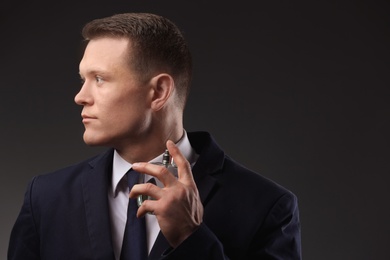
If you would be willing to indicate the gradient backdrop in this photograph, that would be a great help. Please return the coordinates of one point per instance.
(298, 91)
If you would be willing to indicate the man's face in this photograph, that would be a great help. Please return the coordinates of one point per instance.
(116, 107)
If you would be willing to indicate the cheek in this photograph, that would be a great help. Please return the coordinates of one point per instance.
(125, 109)
(128, 116)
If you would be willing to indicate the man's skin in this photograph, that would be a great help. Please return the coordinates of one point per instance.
(139, 118)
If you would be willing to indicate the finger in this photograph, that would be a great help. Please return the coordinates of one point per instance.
(183, 166)
(148, 206)
(148, 189)
(158, 171)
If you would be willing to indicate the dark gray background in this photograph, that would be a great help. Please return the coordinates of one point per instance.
(298, 91)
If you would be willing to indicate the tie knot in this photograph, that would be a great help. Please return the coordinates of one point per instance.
(132, 178)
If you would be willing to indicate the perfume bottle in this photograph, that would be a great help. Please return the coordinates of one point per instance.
(167, 162)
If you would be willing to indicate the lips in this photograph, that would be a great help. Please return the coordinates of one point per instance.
(87, 118)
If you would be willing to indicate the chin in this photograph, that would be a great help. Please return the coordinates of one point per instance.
(93, 140)
(91, 143)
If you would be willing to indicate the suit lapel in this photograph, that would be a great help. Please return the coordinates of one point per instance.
(210, 162)
(95, 186)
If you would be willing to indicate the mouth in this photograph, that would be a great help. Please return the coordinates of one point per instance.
(87, 118)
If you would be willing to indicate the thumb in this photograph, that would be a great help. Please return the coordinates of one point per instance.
(183, 166)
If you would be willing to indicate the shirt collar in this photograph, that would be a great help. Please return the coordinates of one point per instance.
(121, 166)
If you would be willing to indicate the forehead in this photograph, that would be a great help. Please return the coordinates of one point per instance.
(105, 52)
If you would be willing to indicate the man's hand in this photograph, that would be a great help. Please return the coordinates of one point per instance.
(177, 205)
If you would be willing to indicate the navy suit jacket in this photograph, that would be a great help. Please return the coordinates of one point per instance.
(246, 216)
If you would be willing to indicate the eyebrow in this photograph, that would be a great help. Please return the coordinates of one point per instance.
(94, 71)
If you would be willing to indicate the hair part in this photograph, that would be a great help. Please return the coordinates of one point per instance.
(156, 46)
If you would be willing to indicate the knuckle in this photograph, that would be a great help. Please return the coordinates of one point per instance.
(162, 171)
(149, 186)
(144, 205)
(187, 165)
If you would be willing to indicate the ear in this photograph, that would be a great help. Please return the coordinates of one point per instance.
(162, 86)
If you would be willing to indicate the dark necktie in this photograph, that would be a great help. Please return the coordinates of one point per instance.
(134, 240)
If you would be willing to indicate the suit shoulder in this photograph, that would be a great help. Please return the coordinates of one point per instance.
(67, 175)
(252, 181)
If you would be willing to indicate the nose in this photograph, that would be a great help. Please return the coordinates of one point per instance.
(84, 96)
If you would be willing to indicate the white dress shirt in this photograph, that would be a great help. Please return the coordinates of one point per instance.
(118, 197)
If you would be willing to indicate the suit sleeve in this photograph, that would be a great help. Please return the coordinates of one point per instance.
(280, 236)
(202, 244)
(277, 238)
(24, 239)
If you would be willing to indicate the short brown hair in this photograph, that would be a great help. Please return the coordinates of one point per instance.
(157, 45)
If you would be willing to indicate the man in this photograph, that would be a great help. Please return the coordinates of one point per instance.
(136, 72)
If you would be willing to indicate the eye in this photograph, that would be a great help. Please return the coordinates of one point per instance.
(82, 81)
(99, 79)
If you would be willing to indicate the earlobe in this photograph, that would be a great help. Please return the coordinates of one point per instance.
(163, 86)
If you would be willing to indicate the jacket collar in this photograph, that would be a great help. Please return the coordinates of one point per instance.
(95, 183)
(209, 163)
(95, 187)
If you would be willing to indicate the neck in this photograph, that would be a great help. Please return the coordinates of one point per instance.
(151, 144)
